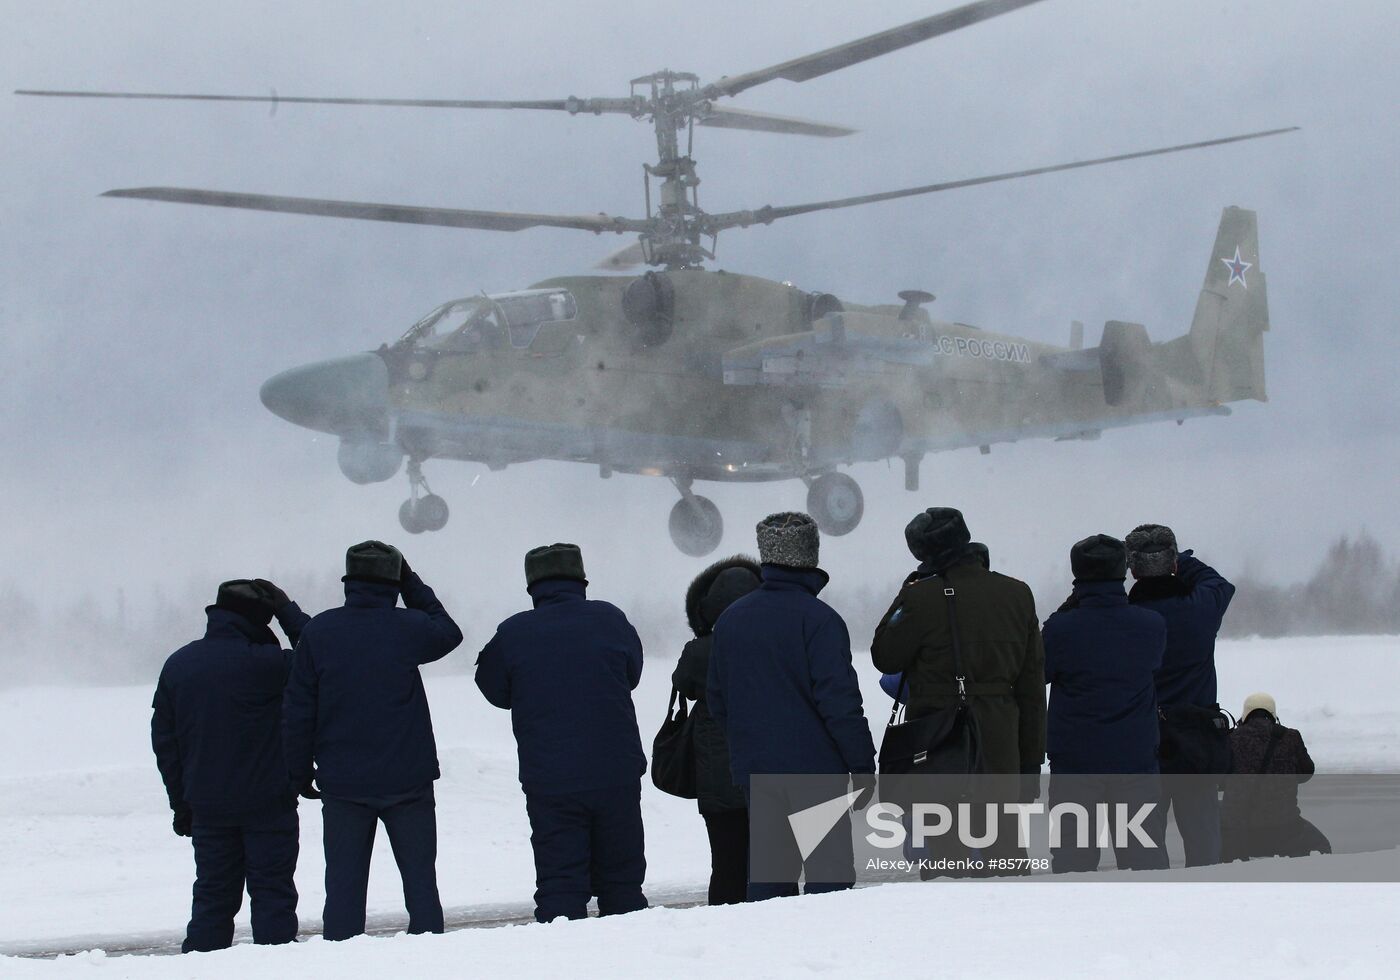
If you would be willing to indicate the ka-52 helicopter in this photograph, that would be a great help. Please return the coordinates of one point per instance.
(696, 375)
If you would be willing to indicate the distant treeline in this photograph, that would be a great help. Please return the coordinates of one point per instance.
(1355, 589)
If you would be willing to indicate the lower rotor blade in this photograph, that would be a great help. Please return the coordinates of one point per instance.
(763, 122)
(768, 214)
(417, 103)
(625, 258)
(401, 213)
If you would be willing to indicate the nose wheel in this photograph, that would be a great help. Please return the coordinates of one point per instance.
(423, 510)
(835, 502)
(696, 525)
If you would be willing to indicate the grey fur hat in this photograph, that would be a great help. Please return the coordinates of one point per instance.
(789, 539)
(374, 561)
(559, 560)
(1151, 550)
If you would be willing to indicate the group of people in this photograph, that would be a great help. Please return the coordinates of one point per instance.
(242, 727)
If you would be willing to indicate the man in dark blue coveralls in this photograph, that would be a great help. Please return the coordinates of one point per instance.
(566, 670)
(1192, 597)
(216, 730)
(356, 710)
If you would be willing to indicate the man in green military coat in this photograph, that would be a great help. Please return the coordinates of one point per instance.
(1001, 655)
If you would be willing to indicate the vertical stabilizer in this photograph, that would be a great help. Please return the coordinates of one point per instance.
(1227, 332)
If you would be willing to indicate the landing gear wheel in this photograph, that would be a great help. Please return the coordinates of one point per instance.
(408, 517)
(696, 526)
(834, 500)
(431, 512)
(426, 513)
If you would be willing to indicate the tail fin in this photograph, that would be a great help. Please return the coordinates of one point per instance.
(1227, 333)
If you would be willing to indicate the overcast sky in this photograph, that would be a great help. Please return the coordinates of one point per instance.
(136, 334)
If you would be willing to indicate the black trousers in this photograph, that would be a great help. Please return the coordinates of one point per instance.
(350, 825)
(729, 855)
(1194, 801)
(1298, 837)
(587, 843)
(259, 853)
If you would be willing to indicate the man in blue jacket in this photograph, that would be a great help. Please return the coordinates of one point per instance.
(1100, 658)
(782, 688)
(216, 730)
(566, 670)
(356, 718)
(1192, 597)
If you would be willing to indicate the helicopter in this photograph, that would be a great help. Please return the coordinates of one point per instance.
(696, 374)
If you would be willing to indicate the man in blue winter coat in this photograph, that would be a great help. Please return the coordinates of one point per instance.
(216, 731)
(1192, 597)
(356, 718)
(566, 670)
(1101, 655)
(782, 688)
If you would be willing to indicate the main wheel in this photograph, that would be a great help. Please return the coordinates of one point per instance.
(696, 526)
(432, 512)
(834, 500)
(408, 517)
(427, 513)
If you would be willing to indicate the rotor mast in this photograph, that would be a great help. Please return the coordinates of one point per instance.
(672, 238)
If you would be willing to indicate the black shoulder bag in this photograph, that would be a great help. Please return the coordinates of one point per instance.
(1194, 739)
(947, 742)
(673, 751)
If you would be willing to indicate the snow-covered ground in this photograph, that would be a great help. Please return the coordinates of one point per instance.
(86, 851)
(964, 930)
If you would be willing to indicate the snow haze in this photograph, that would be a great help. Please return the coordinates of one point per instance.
(139, 468)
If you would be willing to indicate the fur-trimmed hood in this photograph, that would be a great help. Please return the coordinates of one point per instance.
(701, 614)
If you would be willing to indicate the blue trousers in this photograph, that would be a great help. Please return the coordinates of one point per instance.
(350, 825)
(586, 844)
(774, 851)
(259, 853)
(1130, 790)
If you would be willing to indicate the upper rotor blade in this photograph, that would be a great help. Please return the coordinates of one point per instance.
(402, 213)
(853, 52)
(275, 99)
(730, 118)
(768, 214)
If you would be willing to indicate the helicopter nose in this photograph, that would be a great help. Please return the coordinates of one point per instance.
(344, 395)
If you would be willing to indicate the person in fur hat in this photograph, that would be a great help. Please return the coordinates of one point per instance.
(721, 803)
(1000, 649)
(783, 690)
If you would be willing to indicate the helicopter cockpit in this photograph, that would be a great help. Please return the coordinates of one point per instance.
(490, 322)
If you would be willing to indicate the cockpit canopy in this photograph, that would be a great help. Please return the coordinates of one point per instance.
(482, 322)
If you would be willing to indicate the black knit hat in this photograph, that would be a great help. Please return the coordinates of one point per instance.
(1099, 558)
(554, 561)
(789, 539)
(938, 535)
(1151, 550)
(374, 561)
(245, 598)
